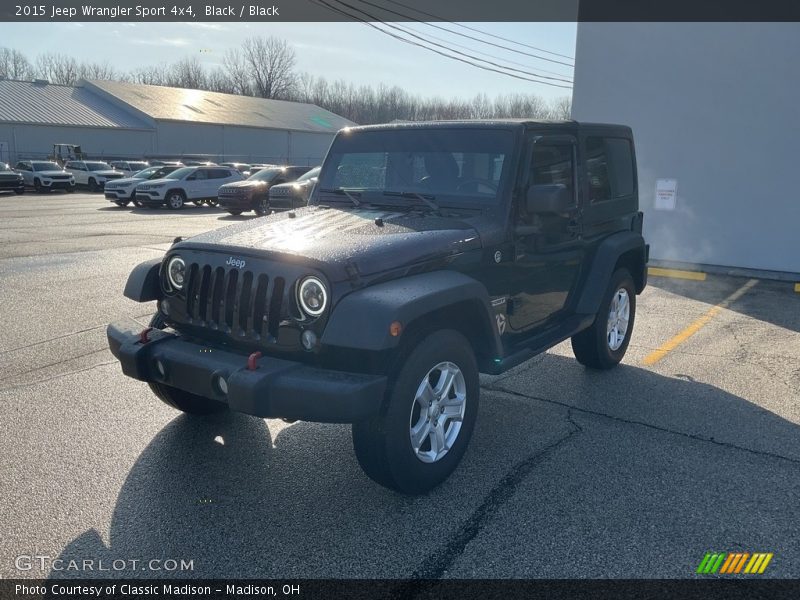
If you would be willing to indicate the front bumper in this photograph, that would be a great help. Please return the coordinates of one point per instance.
(149, 200)
(236, 202)
(62, 184)
(277, 388)
(117, 194)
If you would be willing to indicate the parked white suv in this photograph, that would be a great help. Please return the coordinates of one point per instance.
(92, 173)
(122, 191)
(44, 175)
(197, 184)
(129, 167)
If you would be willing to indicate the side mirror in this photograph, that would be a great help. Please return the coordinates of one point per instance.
(548, 198)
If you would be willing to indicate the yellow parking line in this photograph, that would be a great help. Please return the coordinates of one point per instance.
(676, 273)
(697, 325)
(797, 287)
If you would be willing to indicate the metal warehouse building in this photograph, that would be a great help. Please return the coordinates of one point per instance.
(113, 119)
(713, 107)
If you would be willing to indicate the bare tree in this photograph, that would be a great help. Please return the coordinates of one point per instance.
(57, 68)
(152, 75)
(271, 62)
(238, 74)
(97, 71)
(187, 73)
(561, 108)
(14, 64)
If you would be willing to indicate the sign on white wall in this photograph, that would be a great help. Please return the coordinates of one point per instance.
(666, 194)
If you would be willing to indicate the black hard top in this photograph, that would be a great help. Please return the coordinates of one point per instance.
(565, 126)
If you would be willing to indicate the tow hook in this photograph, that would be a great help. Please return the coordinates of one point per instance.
(251, 361)
(144, 335)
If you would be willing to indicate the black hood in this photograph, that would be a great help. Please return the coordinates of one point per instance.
(334, 239)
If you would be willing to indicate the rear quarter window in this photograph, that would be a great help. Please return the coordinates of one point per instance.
(609, 167)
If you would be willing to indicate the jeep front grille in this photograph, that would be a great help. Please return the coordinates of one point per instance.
(239, 303)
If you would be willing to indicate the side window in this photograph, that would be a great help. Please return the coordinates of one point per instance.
(609, 165)
(554, 164)
(200, 174)
(22, 166)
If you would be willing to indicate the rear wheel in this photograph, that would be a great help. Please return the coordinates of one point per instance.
(235, 213)
(603, 345)
(20, 191)
(191, 404)
(423, 432)
(175, 200)
(122, 203)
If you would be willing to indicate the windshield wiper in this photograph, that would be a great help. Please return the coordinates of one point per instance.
(427, 199)
(342, 192)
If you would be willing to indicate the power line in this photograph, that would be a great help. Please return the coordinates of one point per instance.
(476, 30)
(471, 37)
(459, 56)
(508, 60)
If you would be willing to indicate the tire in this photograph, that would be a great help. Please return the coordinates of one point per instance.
(37, 186)
(595, 347)
(235, 213)
(93, 187)
(383, 444)
(262, 208)
(212, 202)
(175, 200)
(70, 189)
(122, 203)
(191, 404)
(137, 204)
(19, 192)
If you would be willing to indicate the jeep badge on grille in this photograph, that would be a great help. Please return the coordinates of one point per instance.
(235, 262)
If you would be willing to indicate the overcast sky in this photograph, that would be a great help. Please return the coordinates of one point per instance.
(351, 51)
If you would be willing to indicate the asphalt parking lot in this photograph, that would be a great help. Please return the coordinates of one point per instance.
(691, 445)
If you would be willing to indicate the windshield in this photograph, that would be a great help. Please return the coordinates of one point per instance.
(133, 166)
(45, 166)
(180, 173)
(98, 166)
(145, 173)
(456, 165)
(4, 167)
(265, 175)
(310, 175)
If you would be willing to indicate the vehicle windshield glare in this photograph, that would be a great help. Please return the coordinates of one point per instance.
(265, 175)
(137, 165)
(145, 173)
(309, 175)
(4, 167)
(180, 173)
(98, 166)
(45, 166)
(459, 165)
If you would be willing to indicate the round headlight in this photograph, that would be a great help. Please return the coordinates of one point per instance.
(176, 272)
(311, 296)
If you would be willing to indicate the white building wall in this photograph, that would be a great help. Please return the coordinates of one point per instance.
(715, 106)
(36, 141)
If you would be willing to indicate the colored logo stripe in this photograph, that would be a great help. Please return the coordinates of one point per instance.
(734, 563)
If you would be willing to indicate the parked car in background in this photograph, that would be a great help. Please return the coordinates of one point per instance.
(189, 162)
(286, 196)
(92, 173)
(123, 191)
(129, 167)
(253, 192)
(243, 168)
(186, 183)
(44, 175)
(256, 168)
(10, 180)
(157, 162)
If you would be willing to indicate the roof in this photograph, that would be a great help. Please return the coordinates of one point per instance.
(30, 102)
(177, 104)
(493, 124)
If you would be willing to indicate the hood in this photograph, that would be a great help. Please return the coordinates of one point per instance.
(244, 183)
(336, 240)
(127, 180)
(155, 181)
(51, 173)
(294, 184)
(107, 173)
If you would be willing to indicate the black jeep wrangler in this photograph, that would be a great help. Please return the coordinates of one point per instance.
(428, 253)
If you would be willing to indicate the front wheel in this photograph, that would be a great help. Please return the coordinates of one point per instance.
(175, 200)
(262, 208)
(93, 187)
(20, 191)
(37, 186)
(603, 345)
(181, 400)
(422, 433)
(121, 203)
(235, 213)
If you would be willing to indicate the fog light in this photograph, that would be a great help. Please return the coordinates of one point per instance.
(222, 385)
(309, 339)
(162, 372)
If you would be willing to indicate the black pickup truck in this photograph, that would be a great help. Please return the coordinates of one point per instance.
(428, 253)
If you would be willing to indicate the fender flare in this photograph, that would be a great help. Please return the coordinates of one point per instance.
(605, 259)
(361, 319)
(143, 284)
